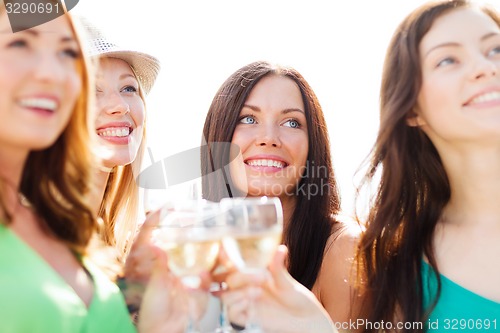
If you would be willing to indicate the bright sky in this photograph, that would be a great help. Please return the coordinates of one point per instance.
(338, 46)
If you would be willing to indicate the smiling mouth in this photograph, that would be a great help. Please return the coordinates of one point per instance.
(115, 132)
(46, 104)
(266, 163)
(485, 98)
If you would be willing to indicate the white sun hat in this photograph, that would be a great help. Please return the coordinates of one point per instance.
(145, 66)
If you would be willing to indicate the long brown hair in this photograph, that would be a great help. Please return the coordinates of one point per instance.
(413, 187)
(313, 217)
(57, 180)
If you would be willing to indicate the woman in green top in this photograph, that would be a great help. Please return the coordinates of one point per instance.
(47, 284)
(431, 246)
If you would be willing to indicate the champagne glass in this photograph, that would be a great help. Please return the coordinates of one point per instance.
(190, 235)
(255, 227)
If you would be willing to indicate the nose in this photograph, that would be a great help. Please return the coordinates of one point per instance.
(268, 136)
(484, 68)
(49, 68)
(114, 104)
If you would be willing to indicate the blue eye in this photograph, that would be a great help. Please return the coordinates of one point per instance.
(247, 120)
(292, 123)
(494, 51)
(446, 62)
(130, 89)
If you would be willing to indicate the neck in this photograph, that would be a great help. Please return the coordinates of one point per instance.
(475, 187)
(11, 170)
(12, 166)
(288, 203)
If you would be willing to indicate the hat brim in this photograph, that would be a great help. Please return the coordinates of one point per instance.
(145, 67)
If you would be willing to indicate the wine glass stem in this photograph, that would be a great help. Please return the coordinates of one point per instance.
(224, 322)
(251, 325)
(193, 315)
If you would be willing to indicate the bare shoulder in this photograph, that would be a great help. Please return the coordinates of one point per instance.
(336, 283)
(343, 241)
(338, 267)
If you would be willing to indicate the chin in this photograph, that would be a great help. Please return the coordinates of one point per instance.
(40, 143)
(263, 187)
(118, 160)
(269, 191)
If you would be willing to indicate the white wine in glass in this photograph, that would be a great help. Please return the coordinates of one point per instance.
(189, 257)
(254, 232)
(253, 251)
(190, 234)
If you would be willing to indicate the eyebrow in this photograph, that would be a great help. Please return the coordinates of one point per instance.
(284, 111)
(21, 30)
(34, 32)
(126, 75)
(456, 44)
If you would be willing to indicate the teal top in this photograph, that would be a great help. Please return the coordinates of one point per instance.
(458, 309)
(34, 298)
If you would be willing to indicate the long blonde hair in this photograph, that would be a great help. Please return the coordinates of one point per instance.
(119, 208)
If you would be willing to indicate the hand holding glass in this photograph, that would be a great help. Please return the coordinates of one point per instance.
(189, 234)
(254, 231)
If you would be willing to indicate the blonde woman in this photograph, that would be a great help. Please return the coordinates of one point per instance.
(123, 79)
(47, 281)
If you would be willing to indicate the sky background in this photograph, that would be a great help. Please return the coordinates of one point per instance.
(338, 46)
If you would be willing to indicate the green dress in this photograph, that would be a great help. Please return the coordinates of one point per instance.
(458, 309)
(34, 297)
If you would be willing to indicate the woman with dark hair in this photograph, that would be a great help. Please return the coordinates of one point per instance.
(280, 148)
(432, 233)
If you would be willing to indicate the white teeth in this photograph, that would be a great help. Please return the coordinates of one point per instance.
(488, 97)
(268, 163)
(115, 132)
(39, 103)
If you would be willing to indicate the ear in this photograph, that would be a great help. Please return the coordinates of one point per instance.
(414, 118)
